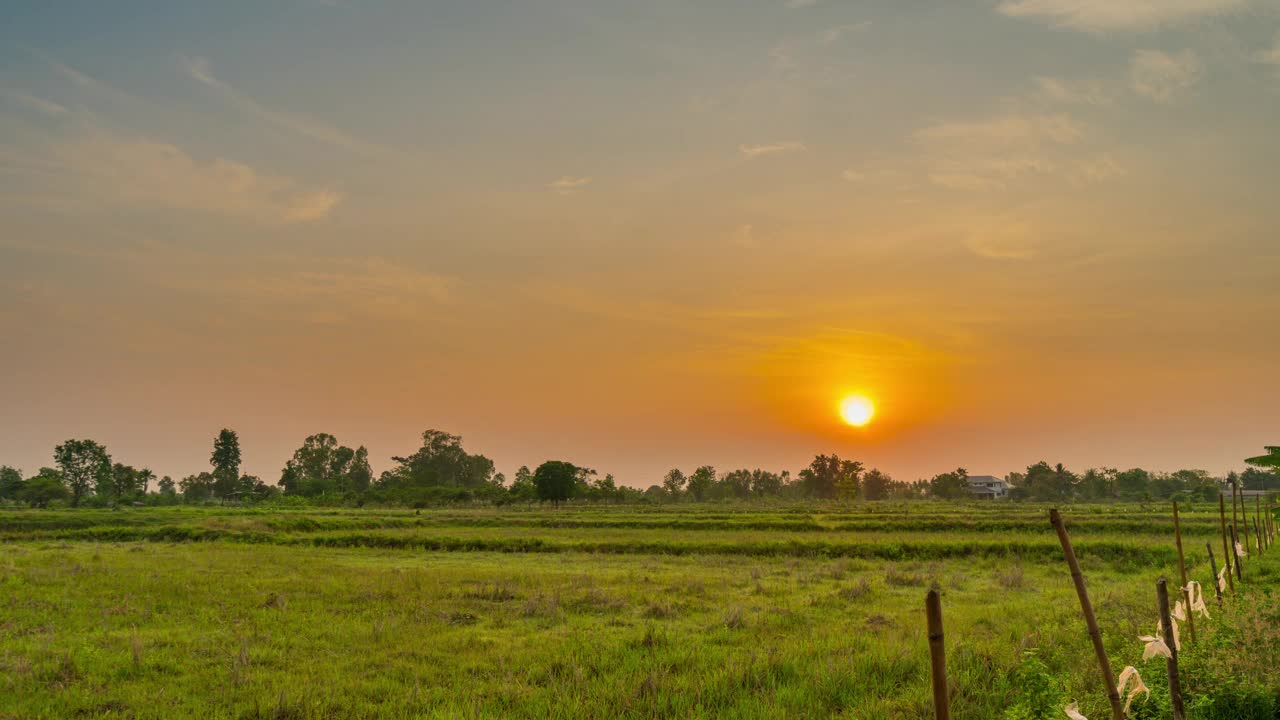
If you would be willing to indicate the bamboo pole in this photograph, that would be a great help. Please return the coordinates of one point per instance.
(1213, 566)
(1234, 548)
(1235, 519)
(1256, 537)
(937, 656)
(1175, 687)
(1244, 521)
(1086, 607)
(1182, 573)
(1226, 548)
(1257, 519)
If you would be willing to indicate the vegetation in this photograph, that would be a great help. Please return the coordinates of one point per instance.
(441, 472)
(805, 609)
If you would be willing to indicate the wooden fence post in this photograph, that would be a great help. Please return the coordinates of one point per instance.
(1257, 517)
(1213, 566)
(1166, 622)
(1244, 520)
(1257, 539)
(937, 656)
(1086, 607)
(1182, 572)
(1234, 543)
(1226, 548)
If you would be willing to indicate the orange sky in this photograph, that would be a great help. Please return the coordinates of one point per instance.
(644, 237)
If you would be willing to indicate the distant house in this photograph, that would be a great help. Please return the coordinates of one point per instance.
(988, 487)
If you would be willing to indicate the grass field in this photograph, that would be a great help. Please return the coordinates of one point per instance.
(602, 612)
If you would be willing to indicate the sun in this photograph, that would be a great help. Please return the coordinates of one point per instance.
(857, 410)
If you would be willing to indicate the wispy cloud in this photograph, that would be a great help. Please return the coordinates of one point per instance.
(569, 184)
(200, 70)
(1163, 77)
(780, 148)
(839, 32)
(1075, 92)
(31, 102)
(988, 154)
(1104, 15)
(85, 171)
(1007, 129)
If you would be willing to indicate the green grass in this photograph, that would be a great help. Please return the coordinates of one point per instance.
(595, 612)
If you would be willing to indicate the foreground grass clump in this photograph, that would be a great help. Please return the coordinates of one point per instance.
(337, 614)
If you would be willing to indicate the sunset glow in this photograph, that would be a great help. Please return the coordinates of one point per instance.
(857, 410)
(640, 234)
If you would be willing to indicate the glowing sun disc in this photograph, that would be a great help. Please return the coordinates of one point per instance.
(856, 410)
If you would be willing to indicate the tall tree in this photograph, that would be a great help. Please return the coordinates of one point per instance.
(828, 476)
(145, 478)
(555, 481)
(522, 487)
(440, 462)
(225, 460)
(10, 482)
(701, 482)
(767, 484)
(322, 466)
(673, 482)
(875, 485)
(85, 465)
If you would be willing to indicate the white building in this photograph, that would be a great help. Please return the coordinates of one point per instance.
(988, 487)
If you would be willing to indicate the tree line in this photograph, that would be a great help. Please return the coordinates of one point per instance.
(441, 472)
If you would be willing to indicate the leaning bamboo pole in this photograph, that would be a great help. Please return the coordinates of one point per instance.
(1086, 607)
(1182, 573)
(1226, 547)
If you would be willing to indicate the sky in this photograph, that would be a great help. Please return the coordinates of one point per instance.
(638, 236)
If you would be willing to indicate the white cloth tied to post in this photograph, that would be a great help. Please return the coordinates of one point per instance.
(1155, 646)
(1129, 678)
(1195, 596)
(1177, 636)
(1131, 673)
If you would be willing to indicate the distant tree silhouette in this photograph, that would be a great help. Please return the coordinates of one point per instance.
(555, 481)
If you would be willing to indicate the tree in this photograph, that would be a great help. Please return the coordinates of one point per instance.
(85, 465)
(196, 488)
(876, 485)
(145, 476)
(1133, 484)
(522, 486)
(673, 482)
(166, 486)
(950, 486)
(225, 460)
(767, 484)
(1098, 484)
(322, 466)
(1255, 478)
(828, 476)
(440, 462)
(126, 482)
(11, 482)
(42, 489)
(735, 484)
(701, 482)
(555, 481)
